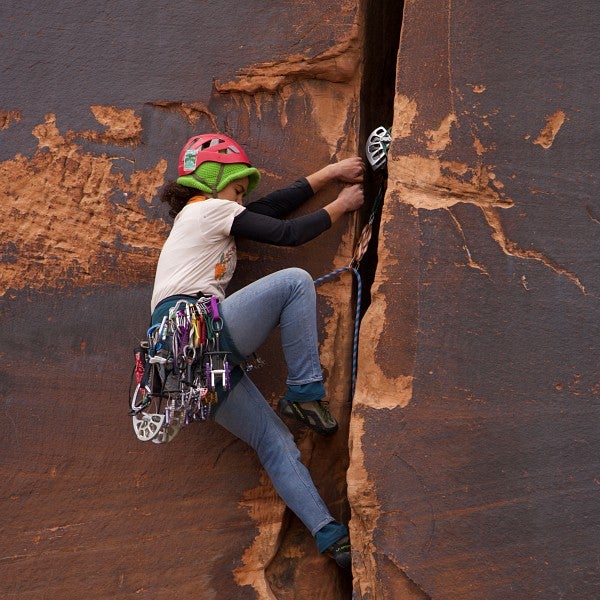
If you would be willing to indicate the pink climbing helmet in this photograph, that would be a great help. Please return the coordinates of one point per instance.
(210, 147)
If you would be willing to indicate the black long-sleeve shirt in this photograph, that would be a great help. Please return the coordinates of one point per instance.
(263, 220)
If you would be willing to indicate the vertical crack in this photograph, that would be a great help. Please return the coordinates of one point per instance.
(381, 40)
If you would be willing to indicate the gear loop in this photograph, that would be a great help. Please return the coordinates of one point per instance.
(179, 369)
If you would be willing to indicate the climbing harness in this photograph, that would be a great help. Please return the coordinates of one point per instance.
(377, 147)
(179, 368)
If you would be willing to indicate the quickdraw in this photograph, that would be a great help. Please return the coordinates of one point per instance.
(178, 369)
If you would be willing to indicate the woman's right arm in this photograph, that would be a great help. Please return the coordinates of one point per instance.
(282, 202)
(348, 170)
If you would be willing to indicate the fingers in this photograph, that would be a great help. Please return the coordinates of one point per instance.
(352, 197)
(359, 196)
(351, 170)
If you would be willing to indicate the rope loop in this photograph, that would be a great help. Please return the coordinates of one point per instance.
(359, 252)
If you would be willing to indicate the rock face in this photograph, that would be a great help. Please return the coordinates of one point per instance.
(474, 438)
(467, 462)
(96, 105)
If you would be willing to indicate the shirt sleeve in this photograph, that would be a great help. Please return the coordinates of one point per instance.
(281, 202)
(279, 232)
(214, 218)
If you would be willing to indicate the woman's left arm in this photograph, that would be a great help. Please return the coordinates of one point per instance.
(262, 228)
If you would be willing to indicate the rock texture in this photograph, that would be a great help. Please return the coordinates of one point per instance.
(474, 444)
(95, 106)
(468, 462)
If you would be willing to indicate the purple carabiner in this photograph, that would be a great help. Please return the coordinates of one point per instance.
(214, 307)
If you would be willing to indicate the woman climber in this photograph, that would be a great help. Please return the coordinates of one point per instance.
(199, 258)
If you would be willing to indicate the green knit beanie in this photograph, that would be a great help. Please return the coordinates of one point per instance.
(212, 177)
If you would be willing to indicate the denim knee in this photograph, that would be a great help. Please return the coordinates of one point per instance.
(300, 277)
(274, 443)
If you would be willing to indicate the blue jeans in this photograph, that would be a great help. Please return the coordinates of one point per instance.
(246, 414)
(286, 299)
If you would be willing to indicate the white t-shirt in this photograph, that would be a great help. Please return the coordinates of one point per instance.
(200, 253)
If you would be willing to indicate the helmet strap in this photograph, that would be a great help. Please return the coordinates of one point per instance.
(212, 186)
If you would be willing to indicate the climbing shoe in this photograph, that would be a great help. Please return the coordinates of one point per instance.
(340, 552)
(313, 414)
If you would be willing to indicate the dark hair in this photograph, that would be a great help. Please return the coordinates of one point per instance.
(177, 196)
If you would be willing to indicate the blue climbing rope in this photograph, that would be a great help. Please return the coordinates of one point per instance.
(359, 252)
(335, 273)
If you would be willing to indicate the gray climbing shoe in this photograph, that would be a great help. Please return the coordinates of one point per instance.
(314, 414)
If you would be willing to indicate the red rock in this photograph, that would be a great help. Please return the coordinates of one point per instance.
(102, 101)
(471, 447)
(473, 437)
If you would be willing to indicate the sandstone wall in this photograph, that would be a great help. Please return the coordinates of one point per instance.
(468, 461)
(474, 438)
(96, 102)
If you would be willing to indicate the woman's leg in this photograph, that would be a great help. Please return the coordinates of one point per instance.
(246, 414)
(286, 299)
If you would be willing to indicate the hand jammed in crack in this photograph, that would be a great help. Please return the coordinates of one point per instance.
(351, 198)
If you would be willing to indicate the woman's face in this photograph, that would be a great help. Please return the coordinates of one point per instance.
(235, 191)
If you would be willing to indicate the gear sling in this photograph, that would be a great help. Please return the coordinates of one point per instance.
(179, 368)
